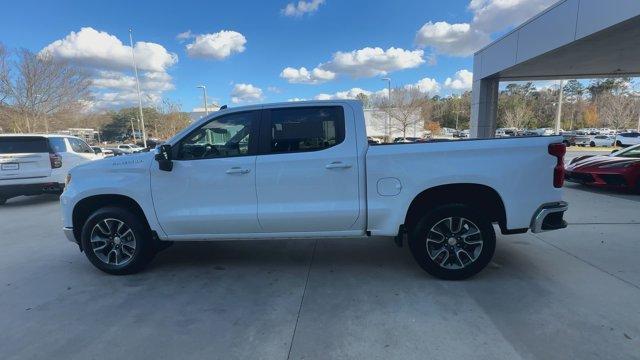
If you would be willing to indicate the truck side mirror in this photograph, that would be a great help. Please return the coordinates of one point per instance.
(163, 157)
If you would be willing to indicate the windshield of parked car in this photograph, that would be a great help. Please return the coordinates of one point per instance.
(632, 152)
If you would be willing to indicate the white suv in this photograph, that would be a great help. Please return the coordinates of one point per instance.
(38, 164)
(130, 148)
(628, 139)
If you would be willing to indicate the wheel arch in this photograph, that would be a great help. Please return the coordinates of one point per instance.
(474, 195)
(87, 206)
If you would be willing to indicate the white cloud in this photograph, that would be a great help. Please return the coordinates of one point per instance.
(369, 61)
(343, 95)
(495, 15)
(245, 93)
(304, 76)
(461, 81)
(296, 99)
(116, 89)
(274, 89)
(217, 46)
(108, 62)
(451, 39)
(100, 49)
(183, 36)
(302, 7)
(489, 16)
(366, 62)
(426, 85)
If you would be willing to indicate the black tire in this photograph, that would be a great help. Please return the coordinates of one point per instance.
(592, 144)
(143, 241)
(424, 250)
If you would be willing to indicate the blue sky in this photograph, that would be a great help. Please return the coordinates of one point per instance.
(240, 49)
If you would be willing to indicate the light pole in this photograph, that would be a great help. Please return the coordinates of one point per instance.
(204, 90)
(135, 70)
(133, 130)
(386, 126)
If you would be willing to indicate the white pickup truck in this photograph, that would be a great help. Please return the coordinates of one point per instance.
(306, 170)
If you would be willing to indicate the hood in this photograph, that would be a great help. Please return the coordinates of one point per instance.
(602, 162)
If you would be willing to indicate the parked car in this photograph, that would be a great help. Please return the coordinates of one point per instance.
(305, 170)
(407, 140)
(618, 170)
(117, 152)
(628, 139)
(602, 140)
(130, 148)
(545, 131)
(581, 140)
(373, 141)
(571, 138)
(38, 164)
(102, 153)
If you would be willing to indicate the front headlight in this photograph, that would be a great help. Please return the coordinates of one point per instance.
(67, 180)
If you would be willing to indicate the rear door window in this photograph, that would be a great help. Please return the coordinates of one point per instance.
(58, 145)
(305, 129)
(23, 144)
(79, 146)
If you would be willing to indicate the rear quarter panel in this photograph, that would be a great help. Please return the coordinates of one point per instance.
(520, 170)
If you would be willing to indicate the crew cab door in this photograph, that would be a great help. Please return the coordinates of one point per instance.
(211, 189)
(307, 170)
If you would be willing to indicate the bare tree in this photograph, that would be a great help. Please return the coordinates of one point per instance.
(404, 109)
(37, 86)
(171, 119)
(616, 110)
(517, 115)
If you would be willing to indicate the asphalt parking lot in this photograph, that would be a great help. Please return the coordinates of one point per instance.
(573, 293)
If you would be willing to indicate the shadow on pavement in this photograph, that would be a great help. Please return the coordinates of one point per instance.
(627, 195)
(30, 200)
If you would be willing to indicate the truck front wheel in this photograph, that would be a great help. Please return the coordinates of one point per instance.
(117, 241)
(452, 242)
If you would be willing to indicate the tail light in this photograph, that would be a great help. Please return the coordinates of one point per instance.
(558, 150)
(56, 160)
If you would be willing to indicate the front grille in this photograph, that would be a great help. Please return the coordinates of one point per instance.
(578, 177)
(613, 179)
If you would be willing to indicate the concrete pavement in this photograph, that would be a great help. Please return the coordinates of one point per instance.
(557, 295)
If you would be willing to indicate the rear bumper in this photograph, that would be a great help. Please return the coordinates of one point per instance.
(9, 191)
(549, 217)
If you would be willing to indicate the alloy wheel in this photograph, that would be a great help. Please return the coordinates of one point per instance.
(454, 243)
(113, 242)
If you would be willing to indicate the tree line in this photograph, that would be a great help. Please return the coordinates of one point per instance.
(601, 103)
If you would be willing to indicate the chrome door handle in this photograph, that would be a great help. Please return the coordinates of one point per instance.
(337, 165)
(238, 170)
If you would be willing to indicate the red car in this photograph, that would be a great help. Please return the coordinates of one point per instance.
(618, 170)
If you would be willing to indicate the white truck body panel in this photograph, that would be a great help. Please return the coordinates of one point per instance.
(518, 169)
(350, 189)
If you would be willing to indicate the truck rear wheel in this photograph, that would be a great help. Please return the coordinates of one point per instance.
(452, 242)
(117, 241)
